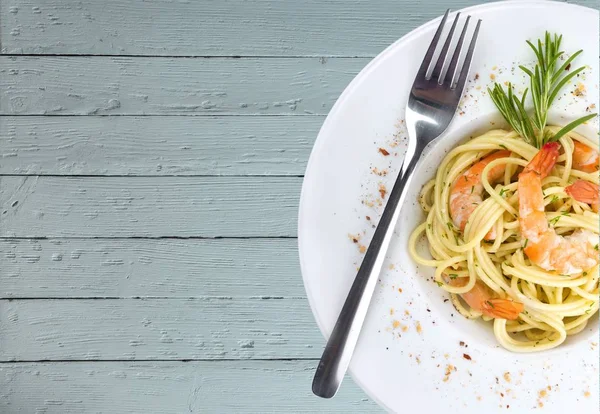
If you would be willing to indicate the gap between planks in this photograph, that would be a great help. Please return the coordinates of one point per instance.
(9, 238)
(184, 360)
(224, 57)
(157, 176)
(150, 115)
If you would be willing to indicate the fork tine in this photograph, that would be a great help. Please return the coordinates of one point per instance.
(464, 71)
(456, 55)
(437, 70)
(429, 55)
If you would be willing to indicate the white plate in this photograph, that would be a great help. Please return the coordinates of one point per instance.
(404, 368)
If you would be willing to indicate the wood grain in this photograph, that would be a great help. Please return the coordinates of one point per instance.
(158, 86)
(171, 388)
(162, 145)
(85, 268)
(219, 28)
(129, 329)
(216, 28)
(149, 206)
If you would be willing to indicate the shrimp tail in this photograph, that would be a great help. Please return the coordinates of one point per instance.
(584, 191)
(543, 162)
(502, 309)
(585, 158)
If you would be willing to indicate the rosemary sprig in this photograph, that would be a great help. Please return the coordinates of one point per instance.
(546, 81)
(513, 111)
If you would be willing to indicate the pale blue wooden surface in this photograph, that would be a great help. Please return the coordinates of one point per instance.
(151, 156)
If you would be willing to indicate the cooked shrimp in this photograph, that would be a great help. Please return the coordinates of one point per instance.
(467, 191)
(585, 192)
(481, 299)
(550, 251)
(585, 158)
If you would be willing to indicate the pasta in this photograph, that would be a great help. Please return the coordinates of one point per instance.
(554, 305)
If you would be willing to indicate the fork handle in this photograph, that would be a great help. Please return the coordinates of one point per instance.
(342, 342)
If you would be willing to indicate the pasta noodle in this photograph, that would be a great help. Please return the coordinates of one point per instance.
(555, 305)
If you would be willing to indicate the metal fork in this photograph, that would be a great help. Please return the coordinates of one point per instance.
(431, 106)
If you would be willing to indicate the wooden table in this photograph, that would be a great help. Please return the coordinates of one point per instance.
(152, 155)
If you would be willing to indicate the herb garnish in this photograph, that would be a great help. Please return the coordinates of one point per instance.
(546, 81)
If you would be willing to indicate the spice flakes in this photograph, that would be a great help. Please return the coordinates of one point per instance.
(355, 238)
(378, 172)
(449, 370)
(579, 90)
(382, 191)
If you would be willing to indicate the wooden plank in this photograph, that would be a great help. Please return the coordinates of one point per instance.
(128, 329)
(215, 28)
(163, 145)
(126, 85)
(171, 388)
(70, 268)
(148, 206)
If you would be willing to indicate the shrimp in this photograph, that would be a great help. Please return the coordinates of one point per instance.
(467, 191)
(567, 255)
(585, 192)
(481, 299)
(585, 158)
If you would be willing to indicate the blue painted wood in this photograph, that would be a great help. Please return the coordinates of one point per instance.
(157, 145)
(167, 268)
(215, 28)
(170, 388)
(101, 85)
(48, 206)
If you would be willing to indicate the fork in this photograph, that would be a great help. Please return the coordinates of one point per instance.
(432, 103)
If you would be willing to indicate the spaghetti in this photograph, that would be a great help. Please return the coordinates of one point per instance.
(554, 305)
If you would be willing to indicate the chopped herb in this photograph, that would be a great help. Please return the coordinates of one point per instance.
(596, 247)
(526, 241)
(453, 275)
(490, 304)
(472, 188)
(585, 273)
(589, 308)
(449, 225)
(503, 146)
(555, 219)
(439, 283)
(504, 190)
(554, 199)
